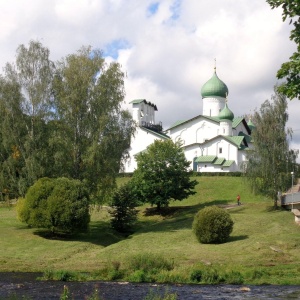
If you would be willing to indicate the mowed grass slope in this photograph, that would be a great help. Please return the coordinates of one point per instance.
(263, 240)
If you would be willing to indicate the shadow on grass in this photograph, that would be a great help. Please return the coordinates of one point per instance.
(237, 238)
(275, 209)
(237, 209)
(173, 217)
(99, 233)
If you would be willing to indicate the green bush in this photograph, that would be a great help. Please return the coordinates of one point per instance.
(212, 225)
(61, 205)
(123, 212)
(150, 263)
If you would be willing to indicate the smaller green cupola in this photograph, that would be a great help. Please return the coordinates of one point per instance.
(214, 87)
(226, 113)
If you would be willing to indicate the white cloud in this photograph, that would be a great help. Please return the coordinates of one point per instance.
(169, 51)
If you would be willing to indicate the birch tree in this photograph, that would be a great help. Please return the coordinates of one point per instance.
(271, 160)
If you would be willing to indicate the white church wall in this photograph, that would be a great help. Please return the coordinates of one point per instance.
(226, 128)
(221, 148)
(196, 131)
(206, 167)
(240, 128)
(213, 105)
(191, 152)
(139, 142)
(242, 158)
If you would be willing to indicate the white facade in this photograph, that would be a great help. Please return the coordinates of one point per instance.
(146, 133)
(213, 142)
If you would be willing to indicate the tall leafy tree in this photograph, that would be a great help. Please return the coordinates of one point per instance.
(290, 71)
(162, 174)
(88, 94)
(30, 109)
(271, 160)
(12, 135)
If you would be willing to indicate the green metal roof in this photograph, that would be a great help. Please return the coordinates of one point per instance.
(206, 159)
(236, 121)
(137, 101)
(214, 87)
(160, 134)
(228, 163)
(179, 122)
(247, 137)
(219, 161)
(237, 140)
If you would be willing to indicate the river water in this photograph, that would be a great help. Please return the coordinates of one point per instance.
(25, 286)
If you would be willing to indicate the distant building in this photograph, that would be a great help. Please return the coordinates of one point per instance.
(215, 141)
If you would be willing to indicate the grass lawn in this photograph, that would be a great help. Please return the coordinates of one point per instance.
(264, 246)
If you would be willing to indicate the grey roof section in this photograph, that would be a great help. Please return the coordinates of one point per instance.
(137, 101)
(236, 121)
(180, 122)
(159, 134)
(239, 141)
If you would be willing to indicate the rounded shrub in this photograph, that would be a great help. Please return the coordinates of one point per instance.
(212, 225)
(61, 205)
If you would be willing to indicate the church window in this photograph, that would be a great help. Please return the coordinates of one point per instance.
(220, 150)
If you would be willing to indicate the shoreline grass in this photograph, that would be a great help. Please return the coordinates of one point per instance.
(263, 247)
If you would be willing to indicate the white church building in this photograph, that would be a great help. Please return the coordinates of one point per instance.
(215, 141)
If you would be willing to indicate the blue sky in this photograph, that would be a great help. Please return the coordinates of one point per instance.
(166, 47)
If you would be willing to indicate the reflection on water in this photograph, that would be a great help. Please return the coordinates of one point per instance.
(23, 285)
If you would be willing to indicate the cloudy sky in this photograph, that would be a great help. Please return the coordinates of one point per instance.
(166, 47)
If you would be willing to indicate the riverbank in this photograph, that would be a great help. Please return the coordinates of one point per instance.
(262, 249)
(25, 286)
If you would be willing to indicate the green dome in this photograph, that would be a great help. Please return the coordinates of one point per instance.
(226, 114)
(214, 87)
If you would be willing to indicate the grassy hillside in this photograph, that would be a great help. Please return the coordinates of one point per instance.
(264, 246)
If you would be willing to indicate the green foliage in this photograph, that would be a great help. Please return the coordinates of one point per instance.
(66, 294)
(61, 205)
(169, 237)
(214, 174)
(88, 100)
(144, 267)
(234, 277)
(157, 295)
(212, 225)
(27, 104)
(271, 161)
(162, 174)
(62, 119)
(213, 275)
(207, 275)
(124, 213)
(290, 70)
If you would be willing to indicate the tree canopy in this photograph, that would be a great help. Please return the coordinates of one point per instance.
(62, 119)
(162, 174)
(271, 160)
(290, 71)
(60, 205)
